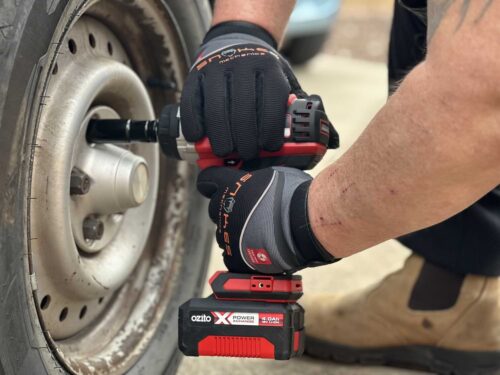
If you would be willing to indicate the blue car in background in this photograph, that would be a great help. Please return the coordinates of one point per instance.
(309, 28)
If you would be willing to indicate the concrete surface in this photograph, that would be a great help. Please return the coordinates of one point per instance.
(361, 30)
(353, 91)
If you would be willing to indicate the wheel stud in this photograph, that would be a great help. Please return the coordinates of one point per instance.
(93, 229)
(79, 183)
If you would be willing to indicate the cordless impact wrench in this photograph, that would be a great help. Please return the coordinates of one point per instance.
(248, 315)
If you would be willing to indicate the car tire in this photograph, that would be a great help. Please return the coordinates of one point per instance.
(27, 28)
(300, 50)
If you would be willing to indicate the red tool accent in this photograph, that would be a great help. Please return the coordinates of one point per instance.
(269, 284)
(262, 284)
(271, 320)
(208, 159)
(296, 341)
(256, 288)
(236, 346)
(254, 300)
(289, 149)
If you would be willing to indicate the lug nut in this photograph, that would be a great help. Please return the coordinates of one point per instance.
(79, 183)
(93, 229)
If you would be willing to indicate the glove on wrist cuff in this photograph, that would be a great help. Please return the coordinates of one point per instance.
(241, 27)
(310, 249)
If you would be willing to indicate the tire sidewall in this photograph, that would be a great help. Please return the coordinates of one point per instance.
(23, 54)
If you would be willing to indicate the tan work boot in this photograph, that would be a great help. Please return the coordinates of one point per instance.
(397, 323)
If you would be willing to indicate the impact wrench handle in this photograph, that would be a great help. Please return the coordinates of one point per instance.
(307, 135)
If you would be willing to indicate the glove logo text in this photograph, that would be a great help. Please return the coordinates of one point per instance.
(259, 256)
(228, 52)
(232, 54)
(226, 208)
(229, 204)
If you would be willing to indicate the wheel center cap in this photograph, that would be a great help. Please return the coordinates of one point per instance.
(119, 180)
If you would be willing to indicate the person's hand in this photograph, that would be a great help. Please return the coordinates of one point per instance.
(262, 221)
(237, 90)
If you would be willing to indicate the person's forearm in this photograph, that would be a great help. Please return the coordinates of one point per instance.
(432, 151)
(428, 154)
(272, 15)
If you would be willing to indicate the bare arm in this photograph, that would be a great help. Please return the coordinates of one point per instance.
(272, 15)
(433, 149)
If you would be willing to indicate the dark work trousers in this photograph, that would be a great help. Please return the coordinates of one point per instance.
(468, 242)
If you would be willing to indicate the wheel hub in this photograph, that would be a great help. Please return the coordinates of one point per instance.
(92, 322)
(119, 181)
(91, 240)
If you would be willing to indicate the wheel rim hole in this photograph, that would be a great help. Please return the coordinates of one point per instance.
(83, 312)
(92, 40)
(110, 48)
(55, 69)
(100, 300)
(72, 46)
(63, 315)
(45, 302)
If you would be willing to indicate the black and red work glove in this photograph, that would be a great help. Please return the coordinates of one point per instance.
(262, 220)
(237, 90)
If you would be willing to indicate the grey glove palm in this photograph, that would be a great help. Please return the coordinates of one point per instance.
(261, 218)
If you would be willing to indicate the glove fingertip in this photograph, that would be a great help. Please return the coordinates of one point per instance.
(191, 109)
(206, 188)
(208, 174)
(249, 153)
(273, 144)
(193, 136)
(209, 179)
(220, 149)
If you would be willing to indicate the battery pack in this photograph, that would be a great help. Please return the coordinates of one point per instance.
(252, 316)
